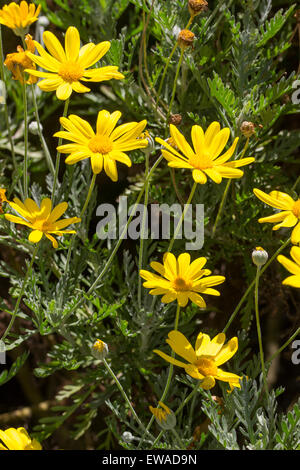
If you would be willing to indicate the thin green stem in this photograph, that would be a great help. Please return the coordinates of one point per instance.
(143, 227)
(294, 335)
(262, 270)
(117, 246)
(179, 441)
(175, 83)
(221, 207)
(66, 107)
(12, 320)
(25, 164)
(124, 395)
(178, 227)
(88, 197)
(42, 139)
(183, 404)
(296, 182)
(169, 378)
(261, 350)
(6, 116)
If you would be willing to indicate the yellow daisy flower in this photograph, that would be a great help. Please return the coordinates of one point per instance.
(104, 147)
(289, 215)
(181, 280)
(67, 67)
(204, 160)
(17, 62)
(18, 439)
(292, 266)
(42, 220)
(19, 17)
(203, 362)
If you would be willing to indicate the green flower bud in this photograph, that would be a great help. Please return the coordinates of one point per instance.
(164, 417)
(99, 349)
(259, 256)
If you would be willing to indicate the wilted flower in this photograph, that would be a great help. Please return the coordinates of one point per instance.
(247, 129)
(185, 38)
(197, 6)
(164, 417)
(17, 62)
(100, 349)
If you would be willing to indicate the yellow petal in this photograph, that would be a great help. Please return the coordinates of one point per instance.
(181, 346)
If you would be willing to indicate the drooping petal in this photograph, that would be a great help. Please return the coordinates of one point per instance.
(181, 346)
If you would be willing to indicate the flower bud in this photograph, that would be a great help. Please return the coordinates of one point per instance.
(247, 129)
(33, 128)
(43, 21)
(127, 437)
(259, 256)
(197, 6)
(151, 145)
(100, 349)
(185, 38)
(165, 417)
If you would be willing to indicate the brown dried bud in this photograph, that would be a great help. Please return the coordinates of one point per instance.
(185, 38)
(247, 129)
(175, 119)
(197, 6)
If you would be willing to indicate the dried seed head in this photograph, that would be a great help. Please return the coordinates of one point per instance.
(175, 119)
(259, 256)
(197, 6)
(185, 38)
(247, 128)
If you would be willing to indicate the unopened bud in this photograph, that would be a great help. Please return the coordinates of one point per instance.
(197, 6)
(99, 349)
(34, 128)
(43, 21)
(164, 417)
(185, 38)
(127, 437)
(151, 144)
(259, 256)
(247, 129)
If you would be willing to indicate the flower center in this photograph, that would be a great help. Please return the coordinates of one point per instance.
(42, 225)
(180, 284)
(202, 162)
(100, 144)
(70, 72)
(296, 209)
(206, 366)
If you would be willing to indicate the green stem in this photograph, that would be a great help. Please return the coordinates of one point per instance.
(12, 320)
(89, 194)
(297, 180)
(6, 116)
(179, 441)
(124, 395)
(297, 332)
(118, 244)
(262, 270)
(261, 351)
(175, 83)
(42, 139)
(178, 227)
(141, 250)
(25, 165)
(66, 107)
(226, 192)
(169, 379)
